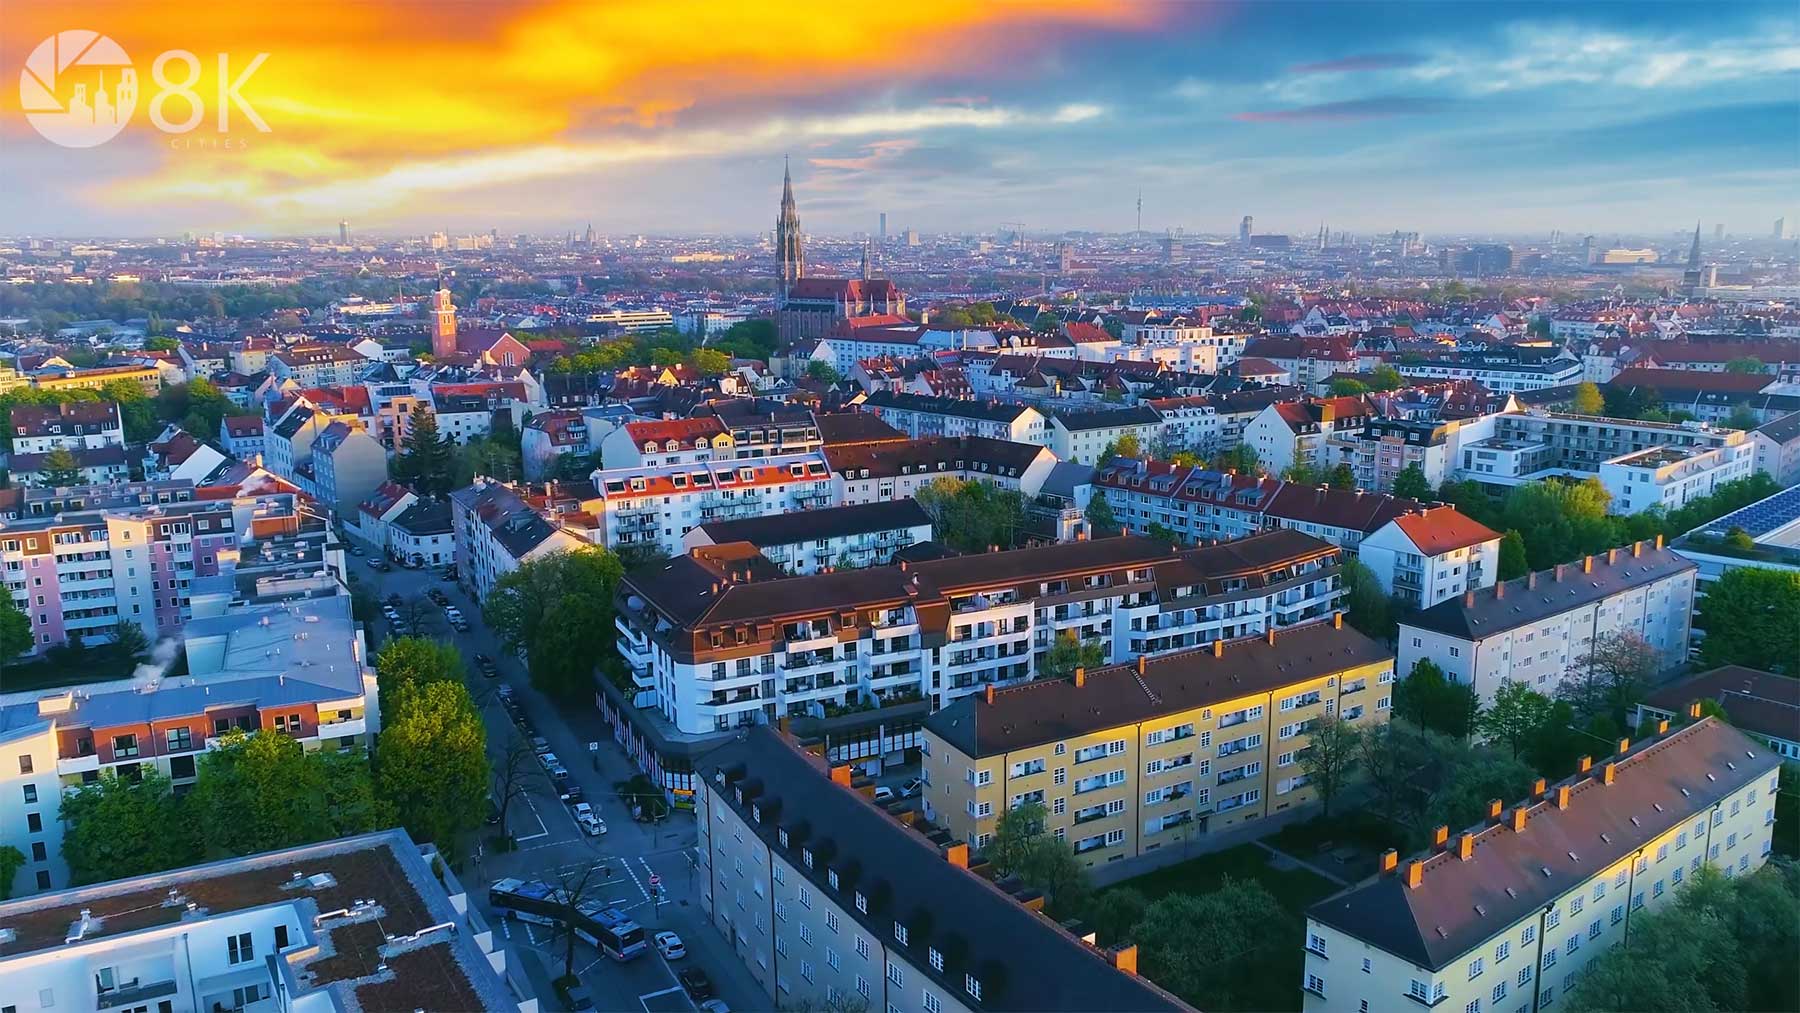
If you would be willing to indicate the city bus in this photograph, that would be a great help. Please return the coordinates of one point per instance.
(608, 929)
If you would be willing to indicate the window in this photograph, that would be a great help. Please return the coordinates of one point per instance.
(862, 986)
(972, 985)
(1502, 951)
(1368, 967)
(1499, 992)
(1528, 935)
(34, 823)
(1417, 990)
(1315, 985)
(1474, 1006)
(1524, 976)
(25, 764)
(900, 933)
(238, 949)
(1594, 929)
(1475, 968)
(862, 947)
(1316, 943)
(1554, 920)
(31, 794)
(933, 1004)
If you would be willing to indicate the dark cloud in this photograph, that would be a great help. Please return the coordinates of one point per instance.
(1348, 111)
(1358, 64)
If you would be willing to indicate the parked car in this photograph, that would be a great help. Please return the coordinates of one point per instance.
(714, 1006)
(698, 986)
(559, 773)
(355, 550)
(548, 759)
(572, 793)
(885, 794)
(670, 946)
(541, 746)
(393, 599)
(590, 824)
(912, 787)
(574, 994)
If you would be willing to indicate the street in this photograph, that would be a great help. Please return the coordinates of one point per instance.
(551, 844)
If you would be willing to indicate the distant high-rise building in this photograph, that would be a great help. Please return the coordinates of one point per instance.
(1780, 227)
(1171, 247)
(1693, 280)
(1245, 227)
(1719, 231)
(884, 228)
(343, 233)
(911, 237)
(443, 323)
(787, 236)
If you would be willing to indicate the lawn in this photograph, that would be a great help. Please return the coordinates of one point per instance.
(1294, 888)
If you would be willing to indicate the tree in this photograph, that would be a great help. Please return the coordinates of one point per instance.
(493, 456)
(427, 460)
(1559, 521)
(1301, 473)
(1067, 654)
(1513, 561)
(203, 405)
(11, 861)
(1207, 948)
(1631, 402)
(1743, 417)
(1745, 364)
(561, 659)
(59, 469)
(1517, 714)
(137, 412)
(1021, 847)
(1751, 617)
(824, 372)
(432, 764)
(1341, 477)
(1330, 755)
(1241, 459)
(1047, 323)
(970, 516)
(1345, 387)
(1427, 699)
(120, 826)
(263, 792)
(1185, 459)
(711, 362)
(1612, 678)
(583, 883)
(1099, 517)
(15, 630)
(1367, 605)
(1587, 399)
(520, 600)
(408, 664)
(1411, 483)
(1128, 445)
(1114, 914)
(1385, 377)
(129, 642)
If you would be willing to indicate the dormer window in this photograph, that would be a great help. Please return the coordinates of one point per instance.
(784, 838)
(937, 958)
(862, 903)
(900, 933)
(832, 878)
(806, 856)
(972, 985)
(756, 813)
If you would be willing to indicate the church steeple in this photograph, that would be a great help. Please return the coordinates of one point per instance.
(788, 253)
(865, 260)
(1694, 251)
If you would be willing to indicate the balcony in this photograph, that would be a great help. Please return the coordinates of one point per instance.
(78, 764)
(344, 728)
(134, 994)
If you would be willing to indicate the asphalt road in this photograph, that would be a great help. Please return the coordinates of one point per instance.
(550, 843)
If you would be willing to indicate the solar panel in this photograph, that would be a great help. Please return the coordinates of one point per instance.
(1764, 515)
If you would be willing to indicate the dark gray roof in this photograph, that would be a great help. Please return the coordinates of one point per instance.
(425, 517)
(1023, 960)
(1461, 904)
(989, 411)
(1783, 430)
(1108, 418)
(1541, 595)
(832, 522)
(1051, 710)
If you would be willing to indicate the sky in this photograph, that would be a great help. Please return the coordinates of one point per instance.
(675, 116)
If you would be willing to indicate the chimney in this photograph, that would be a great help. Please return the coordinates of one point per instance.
(1584, 765)
(1609, 773)
(1637, 549)
(1439, 835)
(1612, 556)
(1694, 710)
(1271, 636)
(1415, 874)
(1337, 620)
(1390, 859)
(1662, 726)
(1465, 846)
(1080, 677)
(1518, 818)
(1659, 541)
(958, 855)
(1624, 744)
(840, 774)
(990, 693)
(1143, 664)
(1537, 787)
(1562, 796)
(1494, 807)
(1558, 573)
(1499, 589)
(1531, 581)
(1219, 651)
(1587, 564)
(1125, 958)
(1468, 599)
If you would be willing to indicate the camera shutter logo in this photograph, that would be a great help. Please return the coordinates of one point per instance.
(78, 88)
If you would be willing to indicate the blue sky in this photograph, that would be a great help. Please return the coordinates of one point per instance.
(1437, 117)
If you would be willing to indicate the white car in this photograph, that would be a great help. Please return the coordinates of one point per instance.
(549, 760)
(884, 794)
(670, 946)
(589, 823)
(715, 1006)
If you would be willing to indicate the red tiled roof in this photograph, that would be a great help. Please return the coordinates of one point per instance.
(681, 430)
(1443, 529)
(1085, 333)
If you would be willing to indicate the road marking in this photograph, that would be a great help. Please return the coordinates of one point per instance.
(634, 880)
(506, 927)
(543, 831)
(621, 900)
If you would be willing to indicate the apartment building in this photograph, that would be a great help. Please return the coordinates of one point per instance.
(1773, 524)
(1388, 446)
(846, 537)
(1672, 477)
(651, 443)
(1526, 443)
(348, 465)
(1084, 436)
(1301, 432)
(721, 638)
(1432, 555)
(829, 900)
(318, 365)
(1200, 348)
(1189, 423)
(319, 689)
(1497, 373)
(1760, 704)
(919, 416)
(878, 472)
(82, 572)
(1131, 758)
(242, 435)
(1778, 449)
(368, 922)
(1507, 914)
(96, 377)
(1711, 397)
(1535, 629)
(660, 505)
(466, 411)
(550, 436)
(74, 426)
(494, 530)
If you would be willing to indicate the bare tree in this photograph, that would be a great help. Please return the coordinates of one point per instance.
(579, 885)
(1332, 750)
(1613, 676)
(517, 771)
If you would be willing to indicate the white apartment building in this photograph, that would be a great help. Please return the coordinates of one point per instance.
(1508, 914)
(1302, 432)
(660, 505)
(285, 930)
(76, 425)
(1672, 477)
(1083, 436)
(920, 416)
(845, 537)
(829, 901)
(1537, 628)
(1507, 376)
(494, 530)
(1778, 449)
(1192, 339)
(1432, 555)
(898, 469)
(723, 641)
(1192, 424)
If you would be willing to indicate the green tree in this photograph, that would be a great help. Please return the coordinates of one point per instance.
(519, 602)
(1301, 473)
(129, 642)
(1185, 459)
(1367, 606)
(748, 339)
(1559, 521)
(1428, 699)
(1330, 756)
(1385, 377)
(15, 630)
(257, 793)
(1611, 679)
(1587, 399)
(493, 456)
(1161, 533)
(1517, 715)
(408, 664)
(1241, 459)
(1099, 517)
(137, 412)
(206, 405)
(1067, 654)
(1745, 364)
(970, 516)
(1341, 477)
(1047, 323)
(562, 657)
(122, 826)
(1513, 562)
(1114, 914)
(11, 861)
(1751, 617)
(1743, 417)
(1411, 483)
(710, 362)
(1211, 949)
(1345, 387)
(824, 372)
(427, 460)
(59, 469)
(1021, 847)
(432, 765)
(1631, 402)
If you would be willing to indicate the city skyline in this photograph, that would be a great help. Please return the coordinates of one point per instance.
(1439, 118)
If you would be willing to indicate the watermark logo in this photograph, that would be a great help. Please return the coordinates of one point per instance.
(79, 89)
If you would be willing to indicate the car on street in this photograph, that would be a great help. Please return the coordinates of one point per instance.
(572, 794)
(670, 946)
(559, 773)
(541, 746)
(698, 986)
(487, 666)
(590, 824)
(912, 787)
(355, 550)
(548, 759)
(884, 794)
(574, 994)
(714, 1006)
(393, 599)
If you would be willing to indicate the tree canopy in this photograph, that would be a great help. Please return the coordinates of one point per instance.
(1411, 483)
(553, 607)
(1587, 399)
(971, 516)
(263, 792)
(1751, 617)
(121, 826)
(432, 764)
(427, 460)
(1067, 654)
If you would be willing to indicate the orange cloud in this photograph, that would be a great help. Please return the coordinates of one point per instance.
(357, 91)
